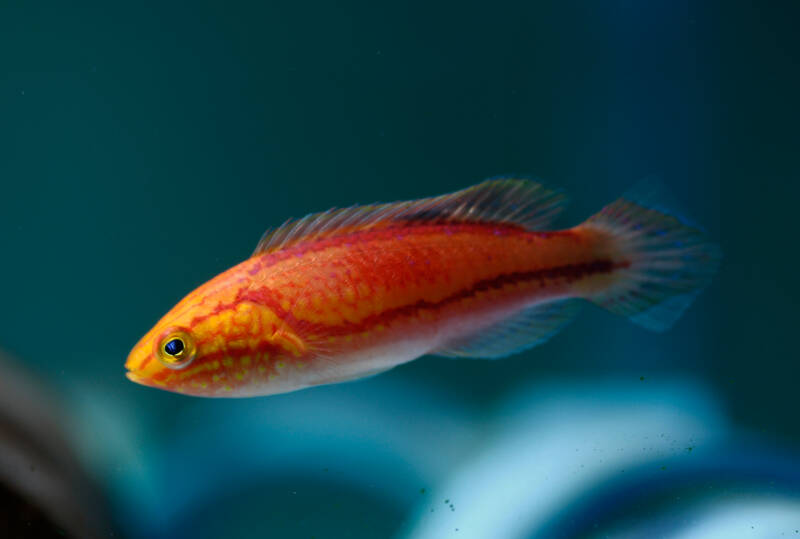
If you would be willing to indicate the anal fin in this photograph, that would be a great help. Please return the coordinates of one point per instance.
(526, 329)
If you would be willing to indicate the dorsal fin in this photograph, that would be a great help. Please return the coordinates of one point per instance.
(522, 202)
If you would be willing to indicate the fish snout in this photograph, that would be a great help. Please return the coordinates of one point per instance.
(141, 365)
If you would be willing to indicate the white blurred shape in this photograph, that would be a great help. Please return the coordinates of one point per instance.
(557, 442)
(760, 519)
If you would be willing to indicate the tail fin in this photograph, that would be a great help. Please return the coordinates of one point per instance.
(671, 260)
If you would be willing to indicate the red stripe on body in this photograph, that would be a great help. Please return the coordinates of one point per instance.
(267, 298)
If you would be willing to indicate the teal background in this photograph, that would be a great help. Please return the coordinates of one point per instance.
(145, 147)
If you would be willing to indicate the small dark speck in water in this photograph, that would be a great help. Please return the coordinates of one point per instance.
(663, 467)
(447, 500)
(689, 449)
(422, 491)
(641, 378)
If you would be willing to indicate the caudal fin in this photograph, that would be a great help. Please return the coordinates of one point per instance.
(671, 260)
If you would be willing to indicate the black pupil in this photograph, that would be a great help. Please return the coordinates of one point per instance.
(174, 347)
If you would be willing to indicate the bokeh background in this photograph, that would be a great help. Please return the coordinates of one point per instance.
(145, 147)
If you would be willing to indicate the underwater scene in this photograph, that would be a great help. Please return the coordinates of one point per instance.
(415, 270)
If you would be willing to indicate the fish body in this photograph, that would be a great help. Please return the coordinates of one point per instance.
(349, 293)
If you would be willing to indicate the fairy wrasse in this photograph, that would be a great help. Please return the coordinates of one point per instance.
(352, 292)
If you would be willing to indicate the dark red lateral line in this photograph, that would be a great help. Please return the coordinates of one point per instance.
(569, 272)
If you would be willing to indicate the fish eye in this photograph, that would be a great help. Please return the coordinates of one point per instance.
(176, 348)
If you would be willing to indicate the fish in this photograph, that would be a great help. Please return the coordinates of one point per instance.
(478, 273)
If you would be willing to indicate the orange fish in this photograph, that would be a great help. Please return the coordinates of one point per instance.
(352, 292)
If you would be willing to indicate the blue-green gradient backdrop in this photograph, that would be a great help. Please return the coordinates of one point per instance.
(145, 147)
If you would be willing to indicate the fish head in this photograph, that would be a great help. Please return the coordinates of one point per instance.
(216, 343)
(163, 357)
(169, 354)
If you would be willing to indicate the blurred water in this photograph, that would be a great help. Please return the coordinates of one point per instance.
(558, 443)
(144, 148)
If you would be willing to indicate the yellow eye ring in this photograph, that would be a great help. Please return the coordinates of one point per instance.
(176, 348)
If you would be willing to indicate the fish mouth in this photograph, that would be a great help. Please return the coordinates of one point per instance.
(136, 371)
(133, 377)
(139, 365)
(137, 378)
